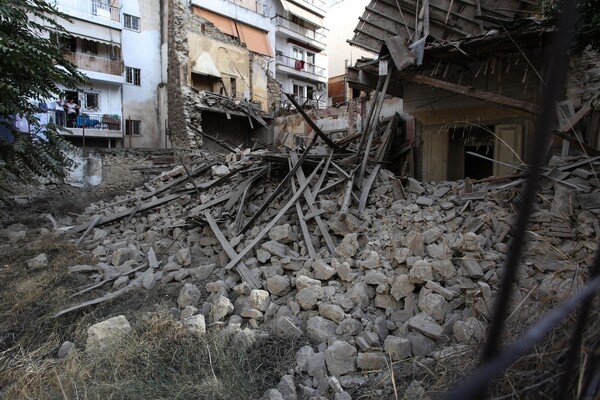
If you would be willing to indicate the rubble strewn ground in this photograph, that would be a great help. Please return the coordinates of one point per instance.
(404, 295)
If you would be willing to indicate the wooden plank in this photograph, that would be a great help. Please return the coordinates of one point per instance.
(366, 189)
(92, 225)
(240, 267)
(373, 126)
(310, 122)
(248, 185)
(280, 187)
(310, 201)
(303, 227)
(273, 221)
(187, 172)
(317, 187)
(348, 193)
(196, 171)
(471, 92)
(114, 217)
(196, 210)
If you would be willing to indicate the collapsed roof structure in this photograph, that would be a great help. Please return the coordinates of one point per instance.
(470, 73)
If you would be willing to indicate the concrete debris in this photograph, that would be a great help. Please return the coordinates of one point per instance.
(413, 273)
(40, 261)
(105, 333)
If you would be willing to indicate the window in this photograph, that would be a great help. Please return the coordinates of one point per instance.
(87, 46)
(132, 75)
(300, 93)
(131, 22)
(233, 87)
(133, 127)
(92, 101)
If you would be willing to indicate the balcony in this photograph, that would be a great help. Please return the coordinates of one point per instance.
(91, 7)
(301, 67)
(94, 63)
(303, 32)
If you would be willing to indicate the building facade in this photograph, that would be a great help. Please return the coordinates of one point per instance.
(117, 46)
(301, 49)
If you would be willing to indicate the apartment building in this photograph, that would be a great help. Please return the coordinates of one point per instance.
(301, 49)
(117, 45)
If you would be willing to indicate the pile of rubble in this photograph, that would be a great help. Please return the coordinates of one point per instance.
(412, 273)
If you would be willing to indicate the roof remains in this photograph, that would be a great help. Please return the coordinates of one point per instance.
(439, 20)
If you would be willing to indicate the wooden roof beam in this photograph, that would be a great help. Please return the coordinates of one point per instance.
(470, 92)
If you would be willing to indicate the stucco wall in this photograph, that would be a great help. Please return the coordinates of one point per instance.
(143, 50)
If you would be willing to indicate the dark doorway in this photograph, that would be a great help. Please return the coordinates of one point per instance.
(477, 167)
(471, 139)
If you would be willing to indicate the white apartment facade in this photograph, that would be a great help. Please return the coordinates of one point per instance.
(301, 49)
(117, 45)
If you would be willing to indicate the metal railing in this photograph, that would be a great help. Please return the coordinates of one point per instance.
(299, 65)
(585, 375)
(301, 30)
(92, 7)
(305, 101)
(110, 122)
(95, 63)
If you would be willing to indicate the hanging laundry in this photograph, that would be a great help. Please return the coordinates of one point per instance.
(298, 64)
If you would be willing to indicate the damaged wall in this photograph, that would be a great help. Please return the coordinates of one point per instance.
(339, 121)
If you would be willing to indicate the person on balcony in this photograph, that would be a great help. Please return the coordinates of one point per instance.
(72, 109)
(60, 111)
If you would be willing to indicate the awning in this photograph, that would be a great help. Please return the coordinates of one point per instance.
(302, 13)
(224, 24)
(204, 65)
(255, 39)
(89, 31)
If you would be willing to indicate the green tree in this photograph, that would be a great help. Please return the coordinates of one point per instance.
(31, 68)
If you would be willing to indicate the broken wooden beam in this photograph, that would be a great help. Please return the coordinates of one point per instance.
(273, 221)
(241, 267)
(470, 92)
(280, 187)
(310, 122)
(115, 217)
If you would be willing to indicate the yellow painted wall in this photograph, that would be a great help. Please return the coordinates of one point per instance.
(230, 60)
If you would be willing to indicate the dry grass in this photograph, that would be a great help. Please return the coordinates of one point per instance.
(159, 360)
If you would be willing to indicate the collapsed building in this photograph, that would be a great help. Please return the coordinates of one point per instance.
(471, 74)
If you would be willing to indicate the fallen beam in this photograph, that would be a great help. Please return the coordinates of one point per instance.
(241, 267)
(470, 92)
(273, 221)
(310, 122)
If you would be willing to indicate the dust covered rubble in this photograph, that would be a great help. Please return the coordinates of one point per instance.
(412, 275)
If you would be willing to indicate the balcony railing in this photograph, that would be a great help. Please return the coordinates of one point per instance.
(95, 63)
(300, 66)
(304, 101)
(92, 7)
(109, 122)
(301, 30)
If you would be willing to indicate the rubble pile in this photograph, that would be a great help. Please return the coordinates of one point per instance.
(413, 274)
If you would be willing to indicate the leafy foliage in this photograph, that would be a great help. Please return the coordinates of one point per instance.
(32, 67)
(587, 30)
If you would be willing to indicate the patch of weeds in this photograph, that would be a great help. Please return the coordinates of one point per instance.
(160, 359)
